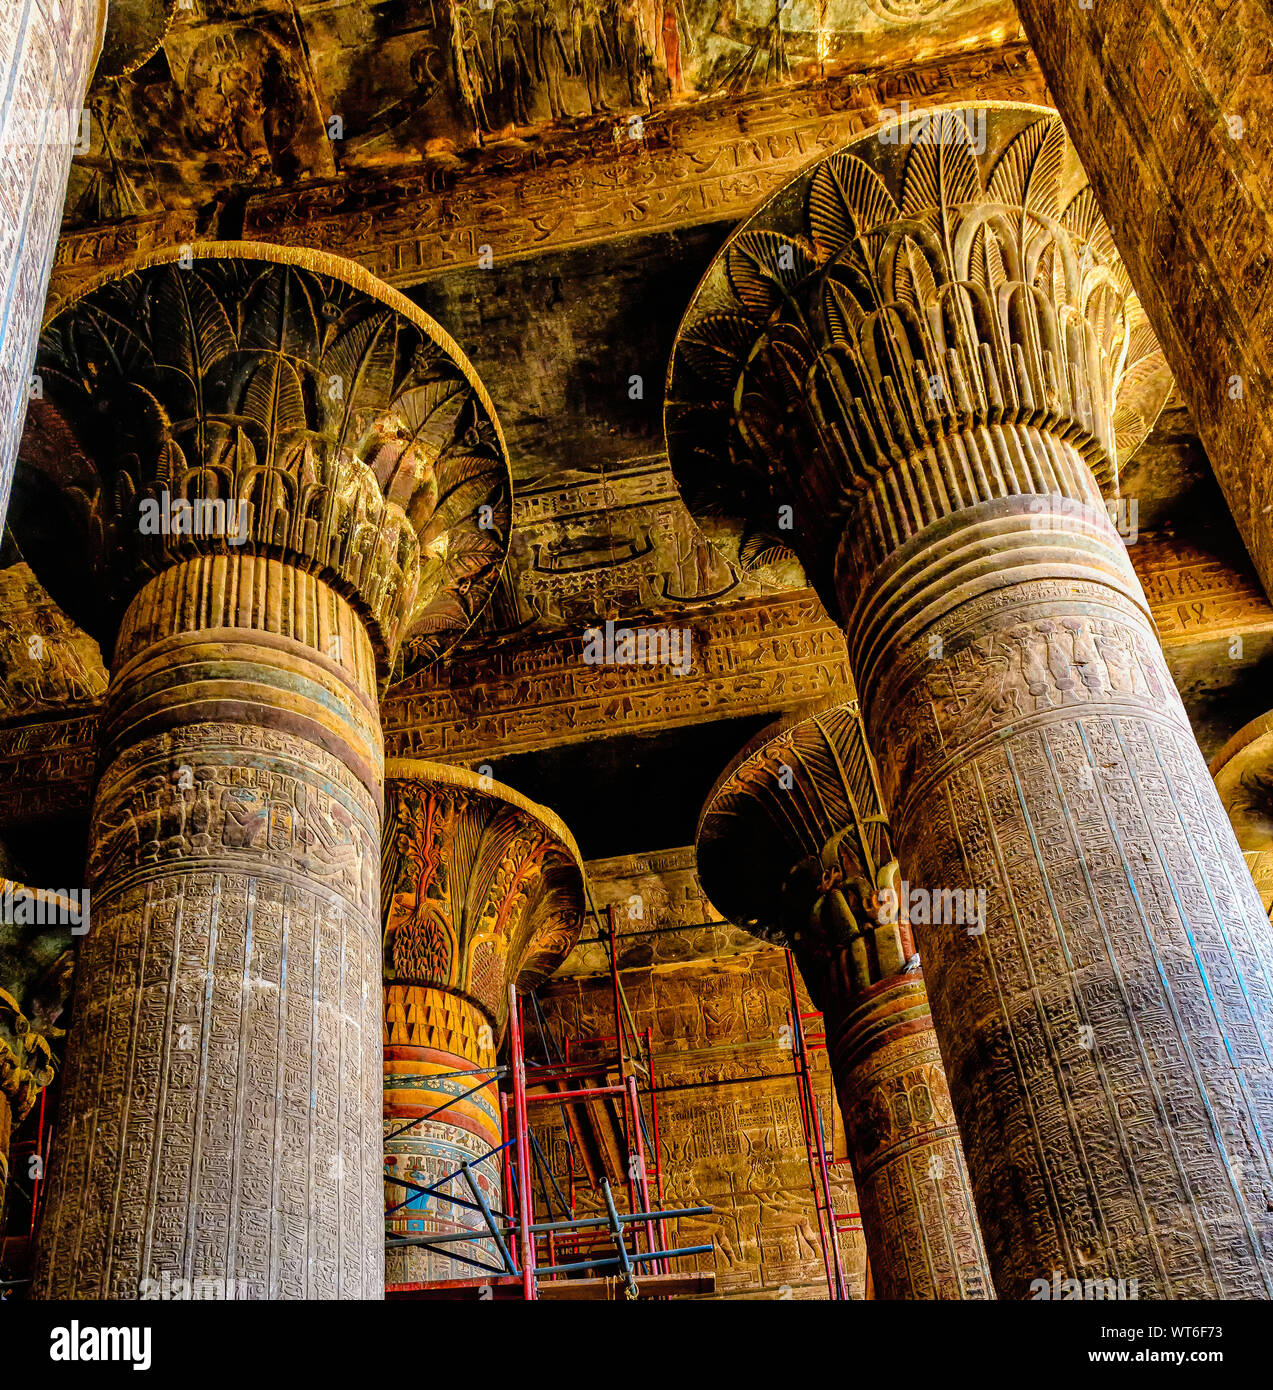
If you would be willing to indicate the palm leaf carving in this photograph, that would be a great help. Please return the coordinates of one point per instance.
(716, 348)
(191, 333)
(1028, 175)
(282, 313)
(847, 201)
(433, 415)
(274, 402)
(1141, 388)
(841, 311)
(986, 262)
(913, 280)
(942, 175)
(764, 269)
(361, 359)
(1082, 218)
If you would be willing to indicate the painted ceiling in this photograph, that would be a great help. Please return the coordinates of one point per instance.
(255, 94)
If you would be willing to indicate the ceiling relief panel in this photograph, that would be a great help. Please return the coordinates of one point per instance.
(253, 94)
(616, 545)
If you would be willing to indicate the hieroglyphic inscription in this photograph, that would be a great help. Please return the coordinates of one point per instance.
(703, 166)
(760, 656)
(589, 547)
(908, 1164)
(1196, 595)
(219, 1114)
(84, 254)
(661, 915)
(220, 1110)
(49, 767)
(748, 658)
(540, 693)
(1114, 1016)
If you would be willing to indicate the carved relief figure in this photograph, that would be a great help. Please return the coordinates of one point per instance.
(593, 53)
(245, 98)
(552, 61)
(673, 27)
(510, 62)
(779, 1206)
(634, 49)
(469, 67)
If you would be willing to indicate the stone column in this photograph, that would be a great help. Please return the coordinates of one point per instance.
(480, 888)
(1167, 104)
(46, 59)
(919, 364)
(1243, 770)
(793, 846)
(265, 481)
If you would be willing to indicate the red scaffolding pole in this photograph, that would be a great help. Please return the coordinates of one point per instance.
(815, 1147)
(523, 1144)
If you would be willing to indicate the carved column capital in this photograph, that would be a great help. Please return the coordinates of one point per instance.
(794, 847)
(242, 399)
(932, 318)
(480, 887)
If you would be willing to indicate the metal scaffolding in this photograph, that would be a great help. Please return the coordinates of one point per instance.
(553, 1257)
(564, 1254)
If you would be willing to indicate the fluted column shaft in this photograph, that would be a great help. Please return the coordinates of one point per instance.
(46, 60)
(220, 1107)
